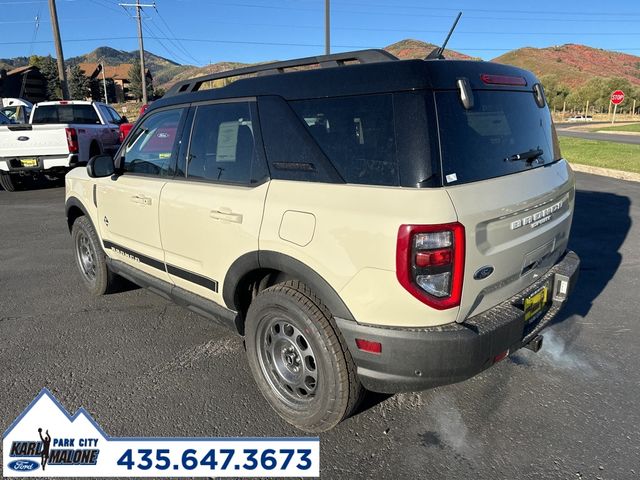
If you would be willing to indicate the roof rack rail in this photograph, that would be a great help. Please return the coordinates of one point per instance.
(334, 60)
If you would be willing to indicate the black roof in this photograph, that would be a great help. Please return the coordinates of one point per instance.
(382, 75)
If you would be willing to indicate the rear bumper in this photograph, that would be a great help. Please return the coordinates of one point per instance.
(417, 359)
(13, 165)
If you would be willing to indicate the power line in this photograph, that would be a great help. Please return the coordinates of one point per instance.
(153, 33)
(411, 30)
(428, 15)
(143, 71)
(178, 44)
(284, 44)
(486, 10)
(106, 5)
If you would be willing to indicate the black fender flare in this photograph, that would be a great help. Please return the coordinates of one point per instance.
(266, 259)
(75, 202)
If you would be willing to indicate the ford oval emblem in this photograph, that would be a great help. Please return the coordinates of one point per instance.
(23, 465)
(483, 272)
(23, 139)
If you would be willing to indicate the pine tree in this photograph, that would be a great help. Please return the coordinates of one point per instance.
(135, 82)
(78, 83)
(49, 70)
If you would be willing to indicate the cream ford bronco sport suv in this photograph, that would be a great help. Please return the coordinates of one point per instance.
(369, 224)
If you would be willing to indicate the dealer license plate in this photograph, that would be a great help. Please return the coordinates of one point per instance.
(29, 162)
(535, 303)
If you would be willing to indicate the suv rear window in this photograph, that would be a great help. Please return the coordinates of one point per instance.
(357, 134)
(82, 114)
(477, 143)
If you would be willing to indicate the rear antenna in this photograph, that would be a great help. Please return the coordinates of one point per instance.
(438, 52)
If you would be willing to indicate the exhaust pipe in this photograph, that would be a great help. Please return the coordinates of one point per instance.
(536, 344)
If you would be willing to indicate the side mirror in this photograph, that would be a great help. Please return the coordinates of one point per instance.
(101, 166)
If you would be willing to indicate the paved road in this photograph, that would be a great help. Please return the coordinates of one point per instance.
(144, 367)
(608, 137)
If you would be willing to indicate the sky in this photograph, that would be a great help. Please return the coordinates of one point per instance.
(199, 32)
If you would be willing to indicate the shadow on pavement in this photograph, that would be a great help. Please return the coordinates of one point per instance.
(601, 223)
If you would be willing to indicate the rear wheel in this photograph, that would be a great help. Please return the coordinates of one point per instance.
(90, 258)
(7, 182)
(299, 359)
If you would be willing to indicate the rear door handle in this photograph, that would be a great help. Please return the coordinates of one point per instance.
(141, 199)
(226, 214)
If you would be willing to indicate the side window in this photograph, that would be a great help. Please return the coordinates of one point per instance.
(222, 146)
(357, 134)
(85, 114)
(117, 119)
(152, 147)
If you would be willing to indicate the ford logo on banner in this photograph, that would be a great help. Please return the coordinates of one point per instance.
(23, 139)
(23, 465)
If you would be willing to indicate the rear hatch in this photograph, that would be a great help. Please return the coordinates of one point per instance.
(513, 193)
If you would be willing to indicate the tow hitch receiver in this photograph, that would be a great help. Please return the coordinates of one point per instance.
(535, 344)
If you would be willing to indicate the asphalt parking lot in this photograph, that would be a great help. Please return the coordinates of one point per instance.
(144, 367)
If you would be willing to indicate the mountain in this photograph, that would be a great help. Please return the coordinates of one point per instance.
(11, 63)
(409, 48)
(161, 68)
(574, 64)
(403, 49)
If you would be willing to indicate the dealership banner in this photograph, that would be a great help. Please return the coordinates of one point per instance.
(46, 441)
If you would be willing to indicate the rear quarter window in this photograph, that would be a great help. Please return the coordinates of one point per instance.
(357, 134)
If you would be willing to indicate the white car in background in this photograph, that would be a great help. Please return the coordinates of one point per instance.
(60, 136)
(16, 109)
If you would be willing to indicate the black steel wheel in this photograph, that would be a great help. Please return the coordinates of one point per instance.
(90, 258)
(299, 359)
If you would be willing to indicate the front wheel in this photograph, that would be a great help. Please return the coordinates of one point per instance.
(90, 258)
(299, 359)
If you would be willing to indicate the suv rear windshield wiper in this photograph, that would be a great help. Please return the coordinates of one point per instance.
(529, 156)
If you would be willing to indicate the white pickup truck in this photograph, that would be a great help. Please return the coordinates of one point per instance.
(59, 136)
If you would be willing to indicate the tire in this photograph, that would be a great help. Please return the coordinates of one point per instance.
(90, 258)
(298, 358)
(94, 150)
(7, 182)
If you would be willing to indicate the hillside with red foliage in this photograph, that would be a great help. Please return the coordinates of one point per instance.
(574, 64)
(409, 48)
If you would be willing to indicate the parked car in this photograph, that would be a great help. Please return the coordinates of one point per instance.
(4, 120)
(581, 118)
(17, 109)
(125, 128)
(60, 136)
(370, 224)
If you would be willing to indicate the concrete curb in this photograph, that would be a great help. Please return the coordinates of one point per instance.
(606, 172)
(617, 132)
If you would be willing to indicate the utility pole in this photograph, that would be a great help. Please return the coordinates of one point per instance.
(56, 38)
(104, 82)
(327, 27)
(143, 71)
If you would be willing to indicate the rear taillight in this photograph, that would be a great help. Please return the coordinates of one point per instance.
(430, 263)
(72, 140)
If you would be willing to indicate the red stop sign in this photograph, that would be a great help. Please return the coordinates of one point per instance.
(617, 97)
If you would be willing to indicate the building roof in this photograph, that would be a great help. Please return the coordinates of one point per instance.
(19, 70)
(117, 72)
